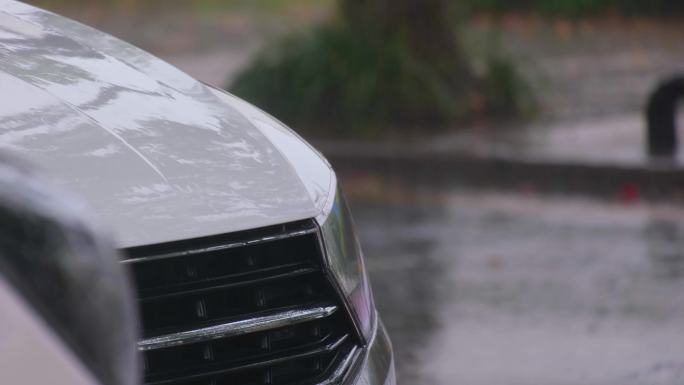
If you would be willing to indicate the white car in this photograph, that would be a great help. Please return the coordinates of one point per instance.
(242, 249)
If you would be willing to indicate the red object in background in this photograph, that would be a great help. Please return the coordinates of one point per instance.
(629, 192)
(528, 189)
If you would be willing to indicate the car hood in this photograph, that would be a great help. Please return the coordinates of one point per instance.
(158, 155)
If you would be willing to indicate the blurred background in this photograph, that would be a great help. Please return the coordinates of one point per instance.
(518, 231)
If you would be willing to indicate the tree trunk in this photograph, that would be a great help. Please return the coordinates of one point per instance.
(427, 27)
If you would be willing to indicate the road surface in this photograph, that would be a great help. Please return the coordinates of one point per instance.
(482, 289)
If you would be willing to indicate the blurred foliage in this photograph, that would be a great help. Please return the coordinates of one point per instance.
(578, 7)
(390, 64)
(337, 81)
(505, 91)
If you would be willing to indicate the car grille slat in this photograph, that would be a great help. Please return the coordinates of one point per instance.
(136, 255)
(248, 308)
(279, 358)
(243, 326)
(234, 282)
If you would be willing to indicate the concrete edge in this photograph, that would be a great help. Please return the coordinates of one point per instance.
(657, 182)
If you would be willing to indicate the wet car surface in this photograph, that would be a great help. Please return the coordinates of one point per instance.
(504, 289)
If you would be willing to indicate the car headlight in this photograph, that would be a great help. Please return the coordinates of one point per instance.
(345, 260)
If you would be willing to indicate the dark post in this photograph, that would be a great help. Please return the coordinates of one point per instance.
(661, 114)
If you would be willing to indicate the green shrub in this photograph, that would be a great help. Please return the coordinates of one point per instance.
(506, 92)
(340, 83)
(334, 78)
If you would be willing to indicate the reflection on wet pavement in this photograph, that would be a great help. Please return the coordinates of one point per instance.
(493, 289)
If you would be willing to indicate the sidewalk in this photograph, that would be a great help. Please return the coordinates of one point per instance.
(604, 158)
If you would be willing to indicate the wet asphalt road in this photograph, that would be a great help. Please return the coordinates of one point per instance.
(500, 289)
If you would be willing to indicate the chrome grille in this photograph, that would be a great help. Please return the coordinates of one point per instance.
(253, 307)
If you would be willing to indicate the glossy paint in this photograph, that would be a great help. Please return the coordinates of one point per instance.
(158, 155)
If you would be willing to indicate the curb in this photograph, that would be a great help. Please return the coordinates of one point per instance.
(651, 182)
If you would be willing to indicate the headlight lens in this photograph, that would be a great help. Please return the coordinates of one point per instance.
(345, 259)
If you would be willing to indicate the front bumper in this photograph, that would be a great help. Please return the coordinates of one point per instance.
(377, 367)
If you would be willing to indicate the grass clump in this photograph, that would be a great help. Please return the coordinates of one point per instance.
(339, 81)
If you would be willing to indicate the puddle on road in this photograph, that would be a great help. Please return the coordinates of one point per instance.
(480, 290)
